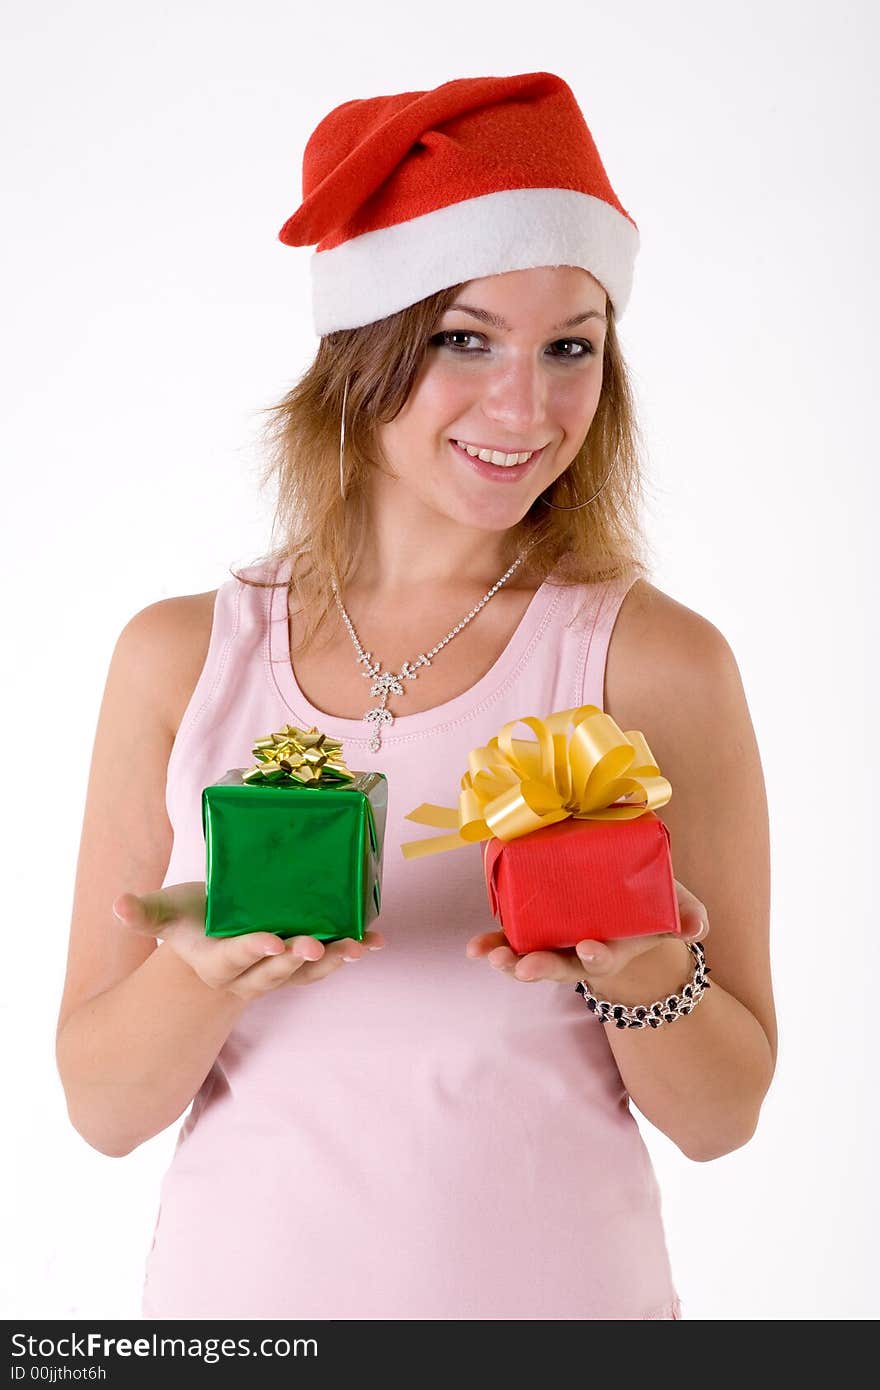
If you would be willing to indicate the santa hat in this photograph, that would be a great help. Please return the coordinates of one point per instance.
(406, 195)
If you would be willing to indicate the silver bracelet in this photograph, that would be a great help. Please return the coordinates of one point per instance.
(668, 1010)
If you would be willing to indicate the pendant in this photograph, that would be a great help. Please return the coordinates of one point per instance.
(377, 717)
(383, 684)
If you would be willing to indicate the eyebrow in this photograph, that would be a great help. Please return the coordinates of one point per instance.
(496, 321)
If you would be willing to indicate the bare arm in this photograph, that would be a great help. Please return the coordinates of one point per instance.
(137, 1030)
(133, 1057)
(141, 1024)
(702, 1080)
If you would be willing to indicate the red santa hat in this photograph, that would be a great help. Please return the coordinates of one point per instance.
(406, 195)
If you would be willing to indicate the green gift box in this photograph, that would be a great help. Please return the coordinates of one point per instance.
(294, 846)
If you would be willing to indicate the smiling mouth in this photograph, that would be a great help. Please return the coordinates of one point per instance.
(499, 474)
(496, 456)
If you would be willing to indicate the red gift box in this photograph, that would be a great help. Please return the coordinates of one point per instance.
(573, 847)
(582, 880)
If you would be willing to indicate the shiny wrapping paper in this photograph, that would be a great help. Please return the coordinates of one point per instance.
(293, 857)
(573, 847)
(580, 879)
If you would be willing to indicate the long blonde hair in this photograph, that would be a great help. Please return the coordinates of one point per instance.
(319, 532)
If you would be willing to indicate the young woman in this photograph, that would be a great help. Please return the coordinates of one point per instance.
(444, 1132)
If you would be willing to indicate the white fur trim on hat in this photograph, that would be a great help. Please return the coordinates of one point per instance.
(378, 273)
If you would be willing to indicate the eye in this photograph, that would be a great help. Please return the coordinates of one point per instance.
(445, 339)
(587, 349)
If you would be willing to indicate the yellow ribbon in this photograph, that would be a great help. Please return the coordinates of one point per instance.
(514, 786)
(300, 755)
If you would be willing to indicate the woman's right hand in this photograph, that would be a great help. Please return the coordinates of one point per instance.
(245, 966)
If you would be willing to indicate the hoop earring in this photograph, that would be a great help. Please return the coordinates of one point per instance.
(342, 441)
(578, 505)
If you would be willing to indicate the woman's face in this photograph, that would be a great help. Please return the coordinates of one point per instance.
(516, 375)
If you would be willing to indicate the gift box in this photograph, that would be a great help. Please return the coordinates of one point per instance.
(294, 845)
(572, 846)
(582, 879)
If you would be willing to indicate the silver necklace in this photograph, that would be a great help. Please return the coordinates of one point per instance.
(385, 683)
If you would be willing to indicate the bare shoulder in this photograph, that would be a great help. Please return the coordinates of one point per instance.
(167, 644)
(671, 674)
(659, 645)
(126, 839)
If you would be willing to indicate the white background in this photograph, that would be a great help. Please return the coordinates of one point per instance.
(151, 155)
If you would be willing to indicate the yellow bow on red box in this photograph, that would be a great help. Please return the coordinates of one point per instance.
(514, 786)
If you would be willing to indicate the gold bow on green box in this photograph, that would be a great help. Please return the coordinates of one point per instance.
(303, 755)
(294, 844)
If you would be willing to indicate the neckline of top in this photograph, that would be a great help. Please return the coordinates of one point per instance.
(405, 726)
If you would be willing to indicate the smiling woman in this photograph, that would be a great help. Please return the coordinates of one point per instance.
(446, 1131)
(415, 393)
(516, 393)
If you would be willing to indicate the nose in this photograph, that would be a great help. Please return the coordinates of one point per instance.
(516, 396)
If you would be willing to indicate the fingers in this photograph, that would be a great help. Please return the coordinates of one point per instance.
(536, 965)
(241, 953)
(696, 930)
(484, 943)
(594, 957)
(246, 965)
(266, 970)
(302, 960)
(149, 913)
(598, 958)
(349, 950)
(692, 913)
(591, 959)
(136, 914)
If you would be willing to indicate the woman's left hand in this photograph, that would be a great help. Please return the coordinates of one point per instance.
(589, 959)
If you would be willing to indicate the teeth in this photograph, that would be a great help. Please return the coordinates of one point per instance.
(492, 455)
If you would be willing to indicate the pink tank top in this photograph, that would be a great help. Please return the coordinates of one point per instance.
(431, 1139)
